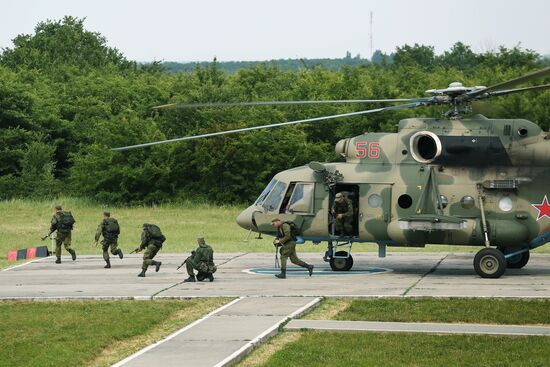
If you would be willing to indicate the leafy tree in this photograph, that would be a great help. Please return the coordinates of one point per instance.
(64, 42)
(460, 56)
(417, 55)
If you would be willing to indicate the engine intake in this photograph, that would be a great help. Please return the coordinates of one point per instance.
(425, 146)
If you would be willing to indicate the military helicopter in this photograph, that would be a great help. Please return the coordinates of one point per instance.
(461, 179)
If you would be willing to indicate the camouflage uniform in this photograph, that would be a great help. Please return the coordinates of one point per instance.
(288, 249)
(110, 239)
(343, 226)
(63, 236)
(152, 246)
(202, 260)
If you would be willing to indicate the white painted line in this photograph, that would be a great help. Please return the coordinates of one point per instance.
(260, 337)
(27, 263)
(176, 333)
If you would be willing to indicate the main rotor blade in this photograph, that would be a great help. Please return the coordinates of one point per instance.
(510, 91)
(522, 79)
(408, 105)
(277, 103)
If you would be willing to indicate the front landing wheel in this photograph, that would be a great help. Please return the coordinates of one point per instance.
(489, 263)
(341, 261)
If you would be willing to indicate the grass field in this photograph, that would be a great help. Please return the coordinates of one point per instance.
(24, 222)
(90, 333)
(391, 349)
(313, 348)
(461, 310)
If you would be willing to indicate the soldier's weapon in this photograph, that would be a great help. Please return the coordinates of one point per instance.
(183, 263)
(277, 266)
(51, 236)
(136, 250)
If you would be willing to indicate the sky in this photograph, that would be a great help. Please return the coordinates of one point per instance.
(260, 30)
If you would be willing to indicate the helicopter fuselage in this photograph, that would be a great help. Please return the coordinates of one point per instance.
(475, 182)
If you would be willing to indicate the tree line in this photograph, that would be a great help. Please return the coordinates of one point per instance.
(67, 98)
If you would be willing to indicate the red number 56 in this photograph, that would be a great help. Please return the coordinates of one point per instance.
(364, 149)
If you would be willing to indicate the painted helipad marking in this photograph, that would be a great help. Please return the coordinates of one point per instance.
(325, 271)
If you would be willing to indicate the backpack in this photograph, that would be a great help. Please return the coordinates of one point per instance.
(112, 229)
(65, 222)
(294, 230)
(155, 233)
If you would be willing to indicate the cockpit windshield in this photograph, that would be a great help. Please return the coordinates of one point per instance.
(275, 197)
(266, 191)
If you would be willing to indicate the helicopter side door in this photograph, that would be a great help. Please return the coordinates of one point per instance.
(375, 211)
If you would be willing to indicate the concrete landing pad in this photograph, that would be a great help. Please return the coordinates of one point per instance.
(411, 275)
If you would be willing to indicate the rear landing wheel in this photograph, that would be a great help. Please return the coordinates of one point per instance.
(340, 263)
(489, 263)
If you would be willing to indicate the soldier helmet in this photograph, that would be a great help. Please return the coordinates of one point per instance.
(201, 241)
(339, 195)
(58, 207)
(275, 220)
(107, 214)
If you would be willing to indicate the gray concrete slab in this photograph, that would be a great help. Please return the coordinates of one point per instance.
(411, 275)
(413, 327)
(222, 337)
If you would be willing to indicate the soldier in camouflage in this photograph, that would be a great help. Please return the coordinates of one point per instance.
(342, 209)
(287, 243)
(201, 260)
(62, 222)
(109, 229)
(151, 241)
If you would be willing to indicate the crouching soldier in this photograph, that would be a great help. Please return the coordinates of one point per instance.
(109, 229)
(151, 240)
(201, 260)
(62, 222)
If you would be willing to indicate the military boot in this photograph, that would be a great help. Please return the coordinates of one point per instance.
(120, 254)
(310, 269)
(210, 277)
(190, 279)
(58, 260)
(142, 274)
(157, 266)
(108, 266)
(281, 275)
(73, 254)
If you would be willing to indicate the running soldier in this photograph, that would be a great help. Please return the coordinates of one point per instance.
(151, 240)
(109, 229)
(62, 222)
(286, 240)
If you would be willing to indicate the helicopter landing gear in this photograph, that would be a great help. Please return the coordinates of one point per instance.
(515, 258)
(489, 263)
(339, 260)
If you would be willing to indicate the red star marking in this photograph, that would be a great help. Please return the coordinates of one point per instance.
(543, 208)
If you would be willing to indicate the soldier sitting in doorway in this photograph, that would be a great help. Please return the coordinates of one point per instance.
(342, 210)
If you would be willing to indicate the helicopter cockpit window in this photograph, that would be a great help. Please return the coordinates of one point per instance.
(275, 197)
(302, 198)
(266, 191)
